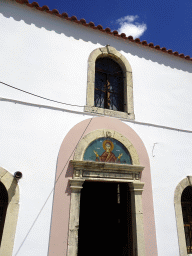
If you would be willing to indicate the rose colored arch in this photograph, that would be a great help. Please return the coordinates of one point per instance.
(61, 202)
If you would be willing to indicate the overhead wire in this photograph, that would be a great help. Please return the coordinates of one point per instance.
(41, 97)
(52, 189)
(74, 105)
(95, 112)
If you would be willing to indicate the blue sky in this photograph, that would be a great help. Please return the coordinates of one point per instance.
(165, 22)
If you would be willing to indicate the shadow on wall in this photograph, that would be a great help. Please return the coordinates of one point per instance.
(12, 189)
(61, 26)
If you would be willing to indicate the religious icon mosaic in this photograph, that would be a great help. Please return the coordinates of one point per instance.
(107, 150)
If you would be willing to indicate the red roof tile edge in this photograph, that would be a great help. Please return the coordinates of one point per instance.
(64, 15)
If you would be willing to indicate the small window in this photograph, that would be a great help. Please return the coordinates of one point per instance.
(109, 85)
(186, 202)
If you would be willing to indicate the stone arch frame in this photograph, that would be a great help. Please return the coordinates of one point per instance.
(131, 175)
(90, 137)
(179, 215)
(109, 51)
(59, 243)
(9, 230)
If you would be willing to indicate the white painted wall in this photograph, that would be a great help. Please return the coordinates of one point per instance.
(46, 55)
(30, 141)
(170, 163)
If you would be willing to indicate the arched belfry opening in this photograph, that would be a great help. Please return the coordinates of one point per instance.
(106, 215)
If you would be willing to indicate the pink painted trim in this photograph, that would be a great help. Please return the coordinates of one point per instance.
(61, 203)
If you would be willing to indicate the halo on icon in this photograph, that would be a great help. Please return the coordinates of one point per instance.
(109, 142)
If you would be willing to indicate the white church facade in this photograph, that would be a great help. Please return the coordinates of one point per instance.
(96, 137)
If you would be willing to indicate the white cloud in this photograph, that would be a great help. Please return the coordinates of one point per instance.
(128, 18)
(130, 27)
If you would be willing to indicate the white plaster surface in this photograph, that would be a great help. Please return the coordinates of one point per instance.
(170, 163)
(48, 56)
(30, 141)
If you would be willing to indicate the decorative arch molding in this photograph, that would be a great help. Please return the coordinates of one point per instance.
(66, 191)
(179, 215)
(89, 138)
(9, 230)
(107, 172)
(109, 51)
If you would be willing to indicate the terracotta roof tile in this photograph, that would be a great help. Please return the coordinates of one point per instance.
(64, 15)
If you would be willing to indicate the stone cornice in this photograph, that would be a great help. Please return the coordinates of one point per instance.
(105, 167)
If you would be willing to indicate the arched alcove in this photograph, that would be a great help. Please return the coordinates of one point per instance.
(107, 168)
(73, 148)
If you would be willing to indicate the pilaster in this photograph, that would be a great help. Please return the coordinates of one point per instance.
(76, 186)
(136, 189)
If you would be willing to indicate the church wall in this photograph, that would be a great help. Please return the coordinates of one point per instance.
(169, 152)
(48, 56)
(30, 141)
(34, 152)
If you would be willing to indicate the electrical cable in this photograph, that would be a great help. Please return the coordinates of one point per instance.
(132, 121)
(94, 114)
(73, 105)
(69, 156)
(51, 190)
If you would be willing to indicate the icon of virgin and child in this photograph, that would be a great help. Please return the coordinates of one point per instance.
(107, 156)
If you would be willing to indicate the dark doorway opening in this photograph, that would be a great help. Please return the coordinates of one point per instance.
(3, 208)
(105, 226)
